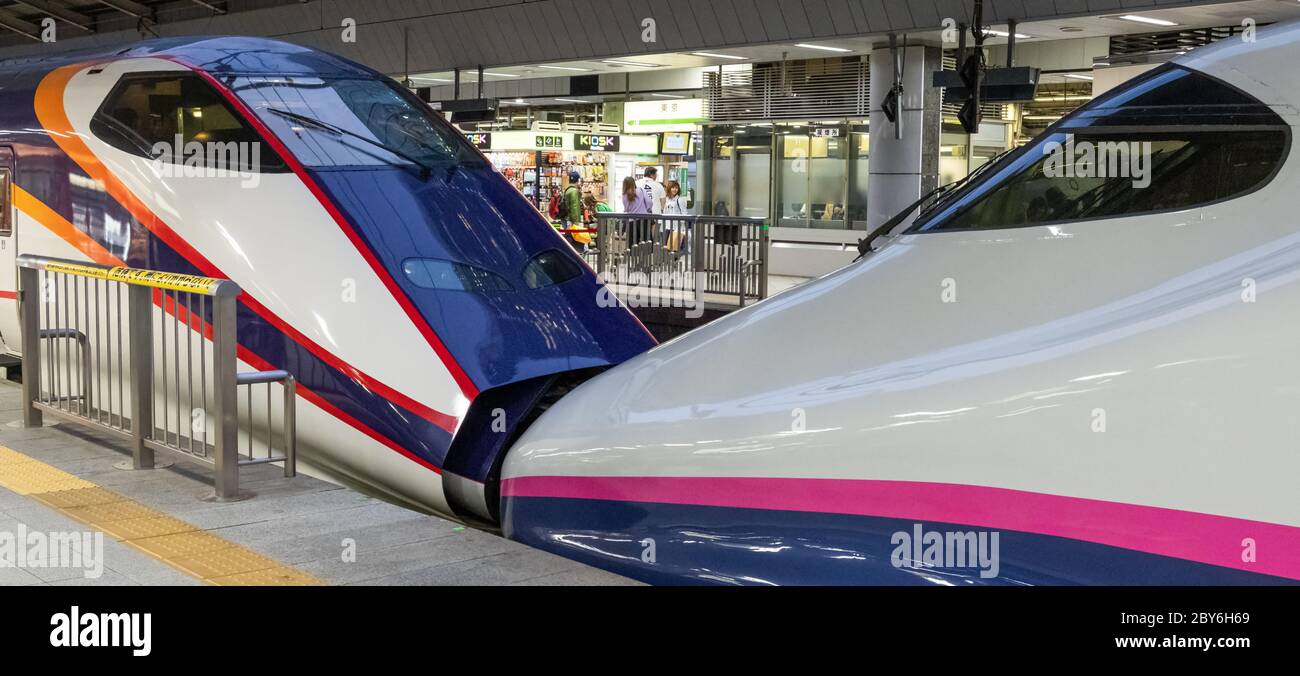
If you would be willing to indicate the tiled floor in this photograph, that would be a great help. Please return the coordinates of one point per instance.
(303, 522)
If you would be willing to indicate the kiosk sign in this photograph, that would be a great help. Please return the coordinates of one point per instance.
(601, 142)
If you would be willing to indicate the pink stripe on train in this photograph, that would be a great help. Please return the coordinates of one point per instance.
(1206, 538)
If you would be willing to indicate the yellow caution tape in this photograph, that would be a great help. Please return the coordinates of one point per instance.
(171, 281)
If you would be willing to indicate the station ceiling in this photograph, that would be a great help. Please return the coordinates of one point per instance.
(520, 37)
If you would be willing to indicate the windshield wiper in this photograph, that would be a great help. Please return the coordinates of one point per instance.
(864, 244)
(425, 169)
(942, 193)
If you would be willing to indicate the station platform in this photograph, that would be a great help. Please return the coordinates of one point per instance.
(158, 530)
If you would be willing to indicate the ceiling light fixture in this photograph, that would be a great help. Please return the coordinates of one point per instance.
(639, 64)
(577, 70)
(824, 48)
(1147, 20)
(712, 55)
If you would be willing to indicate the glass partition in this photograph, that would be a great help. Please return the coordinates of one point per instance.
(723, 184)
(861, 148)
(754, 147)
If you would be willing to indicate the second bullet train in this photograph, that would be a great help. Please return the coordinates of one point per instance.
(407, 286)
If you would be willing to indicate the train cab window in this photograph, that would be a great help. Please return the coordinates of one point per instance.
(549, 268)
(149, 115)
(349, 122)
(1173, 140)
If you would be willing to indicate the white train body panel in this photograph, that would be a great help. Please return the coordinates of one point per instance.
(1116, 397)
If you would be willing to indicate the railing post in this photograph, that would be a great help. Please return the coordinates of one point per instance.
(226, 395)
(30, 316)
(764, 256)
(744, 272)
(602, 245)
(290, 427)
(697, 245)
(140, 345)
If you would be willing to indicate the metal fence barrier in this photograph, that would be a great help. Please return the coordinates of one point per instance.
(684, 255)
(151, 357)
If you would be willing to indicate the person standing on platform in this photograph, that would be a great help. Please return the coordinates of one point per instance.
(636, 201)
(653, 189)
(571, 211)
(677, 231)
(674, 201)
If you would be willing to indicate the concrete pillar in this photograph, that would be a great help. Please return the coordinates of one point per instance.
(903, 169)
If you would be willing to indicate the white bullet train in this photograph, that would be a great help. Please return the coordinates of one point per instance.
(425, 308)
(1055, 374)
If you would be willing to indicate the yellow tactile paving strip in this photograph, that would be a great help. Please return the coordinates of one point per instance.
(176, 543)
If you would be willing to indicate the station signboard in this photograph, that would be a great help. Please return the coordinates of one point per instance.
(599, 142)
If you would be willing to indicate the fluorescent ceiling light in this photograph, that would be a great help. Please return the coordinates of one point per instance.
(1076, 76)
(1147, 20)
(620, 62)
(669, 96)
(500, 74)
(574, 101)
(720, 56)
(579, 70)
(1003, 34)
(823, 47)
(430, 79)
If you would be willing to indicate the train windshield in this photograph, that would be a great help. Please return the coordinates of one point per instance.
(1173, 139)
(379, 123)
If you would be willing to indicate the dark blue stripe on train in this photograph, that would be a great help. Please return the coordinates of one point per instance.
(725, 545)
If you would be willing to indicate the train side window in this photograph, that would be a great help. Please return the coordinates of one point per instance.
(6, 209)
(181, 119)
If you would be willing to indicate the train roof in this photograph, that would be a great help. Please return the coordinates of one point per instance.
(214, 54)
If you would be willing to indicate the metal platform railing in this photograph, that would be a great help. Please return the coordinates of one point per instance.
(695, 256)
(150, 357)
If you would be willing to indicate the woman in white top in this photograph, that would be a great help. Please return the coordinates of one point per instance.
(676, 235)
(674, 203)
